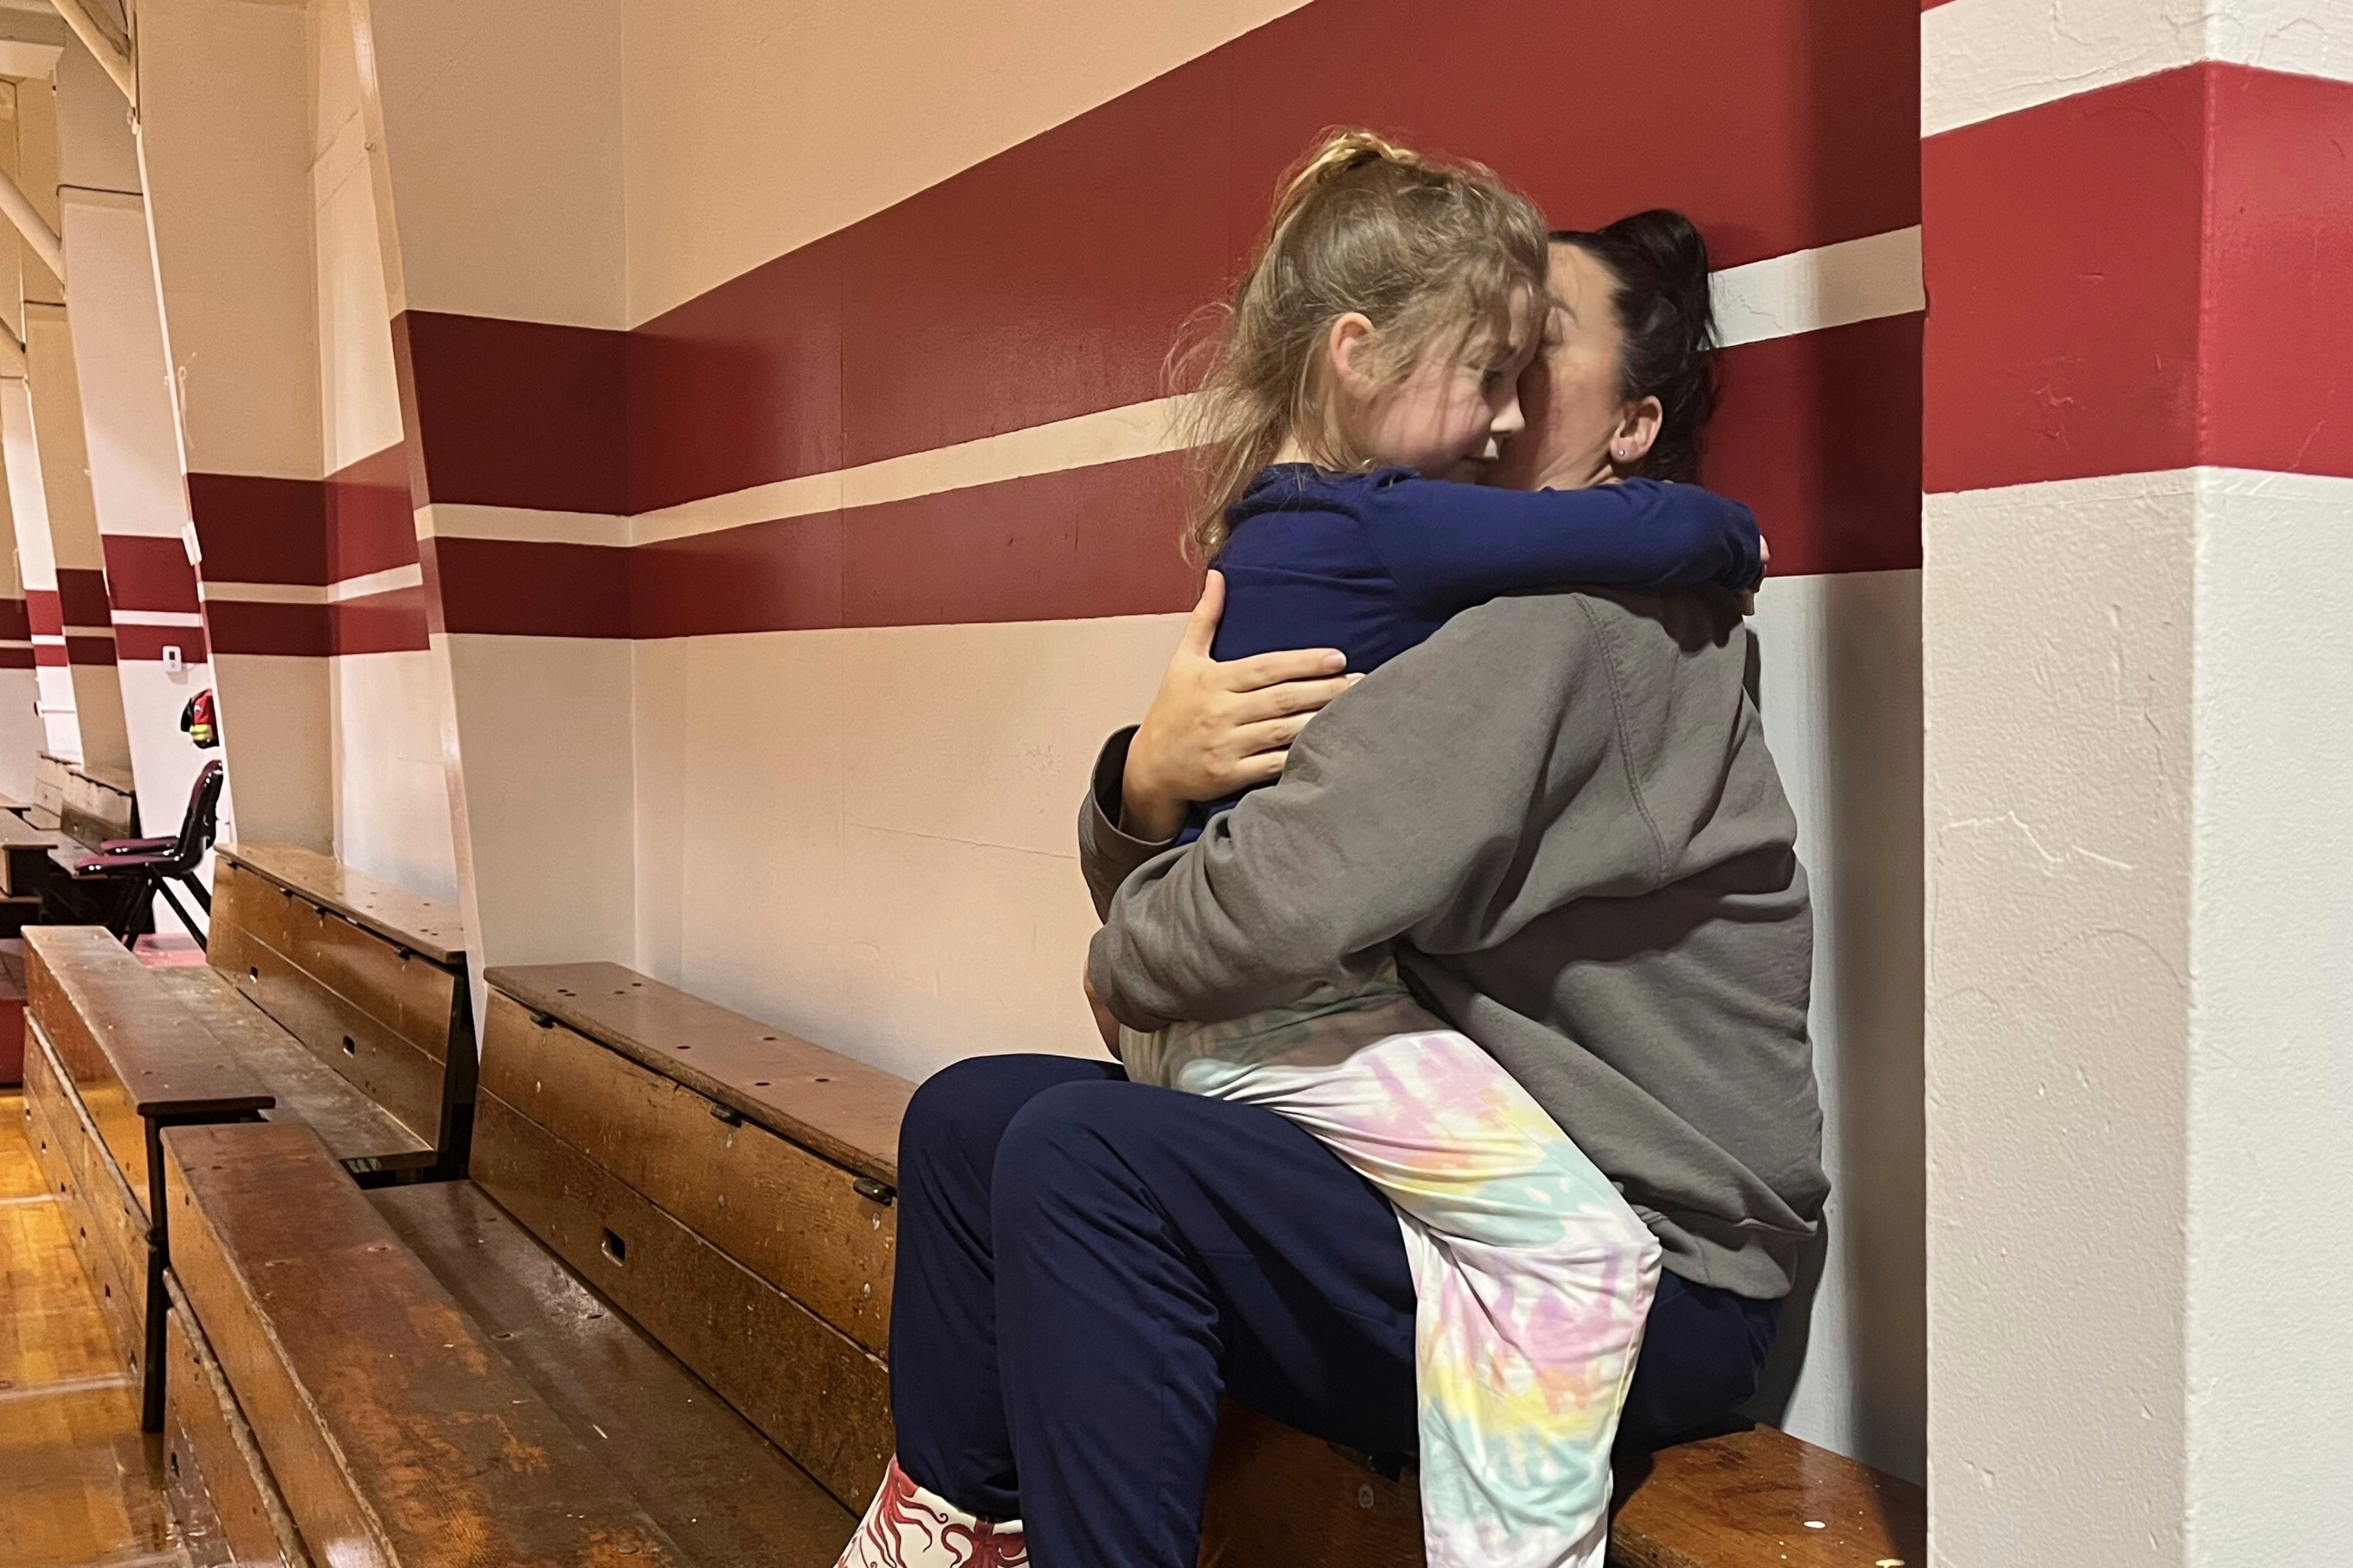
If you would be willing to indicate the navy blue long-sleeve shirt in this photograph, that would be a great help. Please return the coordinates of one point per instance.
(1374, 563)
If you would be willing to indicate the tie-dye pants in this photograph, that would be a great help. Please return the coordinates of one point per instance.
(1533, 1278)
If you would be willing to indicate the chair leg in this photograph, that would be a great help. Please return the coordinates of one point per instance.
(199, 932)
(136, 893)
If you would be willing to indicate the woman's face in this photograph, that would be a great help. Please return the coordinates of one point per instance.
(1568, 394)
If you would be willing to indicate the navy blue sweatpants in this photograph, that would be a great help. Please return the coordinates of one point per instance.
(1085, 1264)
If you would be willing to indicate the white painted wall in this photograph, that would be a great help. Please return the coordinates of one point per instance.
(868, 835)
(1839, 689)
(276, 739)
(752, 130)
(391, 802)
(2270, 1086)
(542, 728)
(2061, 760)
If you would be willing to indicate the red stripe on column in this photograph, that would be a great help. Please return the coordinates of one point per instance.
(145, 571)
(253, 529)
(531, 589)
(15, 659)
(89, 650)
(2277, 387)
(520, 413)
(2141, 277)
(15, 623)
(81, 597)
(371, 525)
(49, 655)
(1821, 434)
(242, 626)
(42, 614)
(138, 642)
(391, 622)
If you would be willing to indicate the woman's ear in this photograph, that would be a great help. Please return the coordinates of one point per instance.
(1350, 347)
(1638, 428)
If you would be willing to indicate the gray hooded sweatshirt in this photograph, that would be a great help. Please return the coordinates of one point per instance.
(1560, 815)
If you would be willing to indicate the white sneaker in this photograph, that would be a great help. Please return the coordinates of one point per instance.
(907, 1527)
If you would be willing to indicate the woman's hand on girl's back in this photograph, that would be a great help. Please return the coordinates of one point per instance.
(1216, 728)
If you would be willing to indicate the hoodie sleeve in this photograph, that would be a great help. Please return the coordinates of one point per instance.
(1416, 805)
(1447, 547)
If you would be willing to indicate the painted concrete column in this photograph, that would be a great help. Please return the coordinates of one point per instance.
(2139, 261)
(497, 155)
(57, 546)
(225, 155)
(131, 436)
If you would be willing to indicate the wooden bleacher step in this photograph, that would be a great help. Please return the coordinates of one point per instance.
(623, 1122)
(724, 1495)
(398, 1431)
(223, 1495)
(370, 978)
(112, 1060)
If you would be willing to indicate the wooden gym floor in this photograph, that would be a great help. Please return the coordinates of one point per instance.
(77, 1479)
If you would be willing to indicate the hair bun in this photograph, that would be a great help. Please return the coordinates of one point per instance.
(1342, 149)
(1668, 314)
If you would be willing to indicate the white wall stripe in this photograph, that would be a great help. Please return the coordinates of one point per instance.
(1782, 296)
(1812, 291)
(158, 619)
(1983, 58)
(389, 580)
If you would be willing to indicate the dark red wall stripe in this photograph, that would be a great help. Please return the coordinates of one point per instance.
(138, 642)
(81, 597)
(15, 623)
(238, 627)
(89, 650)
(1820, 432)
(253, 529)
(1051, 280)
(532, 590)
(2152, 296)
(16, 659)
(370, 524)
(145, 572)
(519, 413)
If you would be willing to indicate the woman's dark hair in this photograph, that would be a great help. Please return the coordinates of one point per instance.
(1661, 264)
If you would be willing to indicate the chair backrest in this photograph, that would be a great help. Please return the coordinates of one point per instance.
(202, 824)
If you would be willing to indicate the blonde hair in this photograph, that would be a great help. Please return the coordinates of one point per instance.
(1431, 253)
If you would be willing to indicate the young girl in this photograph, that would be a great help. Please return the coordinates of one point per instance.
(1372, 353)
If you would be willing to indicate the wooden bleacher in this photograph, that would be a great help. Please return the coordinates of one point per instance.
(308, 959)
(656, 1316)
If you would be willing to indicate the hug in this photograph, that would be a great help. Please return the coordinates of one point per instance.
(1456, 952)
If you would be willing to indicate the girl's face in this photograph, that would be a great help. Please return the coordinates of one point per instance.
(1448, 415)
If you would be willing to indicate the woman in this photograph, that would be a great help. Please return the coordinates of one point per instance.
(1086, 1265)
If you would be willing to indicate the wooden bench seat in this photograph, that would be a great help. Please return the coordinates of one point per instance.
(111, 1061)
(625, 1123)
(399, 1429)
(725, 1495)
(369, 978)
(221, 1491)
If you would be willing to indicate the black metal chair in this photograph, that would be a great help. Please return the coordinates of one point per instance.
(140, 868)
